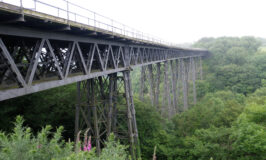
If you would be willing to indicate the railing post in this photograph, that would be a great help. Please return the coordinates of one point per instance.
(112, 26)
(94, 17)
(124, 30)
(67, 10)
(21, 4)
(21, 8)
(35, 6)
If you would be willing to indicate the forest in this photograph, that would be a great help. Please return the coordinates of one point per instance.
(228, 121)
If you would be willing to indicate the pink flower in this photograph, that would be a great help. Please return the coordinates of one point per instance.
(39, 146)
(89, 147)
(84, 148)
(89, 144)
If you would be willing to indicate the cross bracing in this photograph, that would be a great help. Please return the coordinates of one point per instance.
(33, 60)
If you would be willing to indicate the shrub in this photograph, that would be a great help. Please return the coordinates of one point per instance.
(21, 144)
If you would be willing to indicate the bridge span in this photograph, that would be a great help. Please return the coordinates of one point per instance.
(40, 50)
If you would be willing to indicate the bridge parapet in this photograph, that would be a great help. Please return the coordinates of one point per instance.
(72, 15)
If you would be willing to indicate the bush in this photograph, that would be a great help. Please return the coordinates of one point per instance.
(22, 144)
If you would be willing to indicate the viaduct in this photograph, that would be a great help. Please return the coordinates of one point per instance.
(44, 46)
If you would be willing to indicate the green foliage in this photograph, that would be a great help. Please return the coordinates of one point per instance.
(113, 150)
(249, 140)
(205, 143)
(80, 156)
(22, 144)
(202, 88)
(54, 107)
(237, 78)
(209, 112)
(235, 64)
(236, 133)
(151, 127)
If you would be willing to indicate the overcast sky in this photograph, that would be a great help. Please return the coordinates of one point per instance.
(181, 21)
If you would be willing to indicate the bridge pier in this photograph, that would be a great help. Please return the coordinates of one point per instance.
(142, 83)
(92, 104)
(151, 82)
(157, 87)
(101, 114)
(132, 124)
(185, 84)
(200, 68)
(174, 82)
(167, 97)
(194, 81)
(77, 111)
(178, 74)
(112, 102)
(183, 72)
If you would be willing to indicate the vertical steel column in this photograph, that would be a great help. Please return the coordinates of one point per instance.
(174, 87)
(151, 81)
(164, 102)
(190, 69)
(132, 124)
(114, 119)
(187, 64)
(185, 99)
(201, 74)
(77, 110)
(157, 89)
(89, 108)
(194, 82)
(166, 90)
(136, 134)
(112, 79)
(94, 112)
(196, 67)
(142, 81)
(178, 76)
(129, 114)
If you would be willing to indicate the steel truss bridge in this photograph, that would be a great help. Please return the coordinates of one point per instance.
(39, 51)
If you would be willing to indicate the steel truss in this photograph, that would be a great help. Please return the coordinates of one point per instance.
(33, 61)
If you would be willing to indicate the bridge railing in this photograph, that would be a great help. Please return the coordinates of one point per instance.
(76, 13)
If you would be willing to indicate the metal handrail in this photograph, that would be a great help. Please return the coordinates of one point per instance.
(112, 26)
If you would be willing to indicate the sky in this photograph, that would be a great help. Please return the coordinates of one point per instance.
(180, 21)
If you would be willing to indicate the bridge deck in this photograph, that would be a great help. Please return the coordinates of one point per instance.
(45, 21)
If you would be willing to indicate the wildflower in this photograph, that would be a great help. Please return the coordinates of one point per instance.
(89, 144)
(39, 146)
(77, 142)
